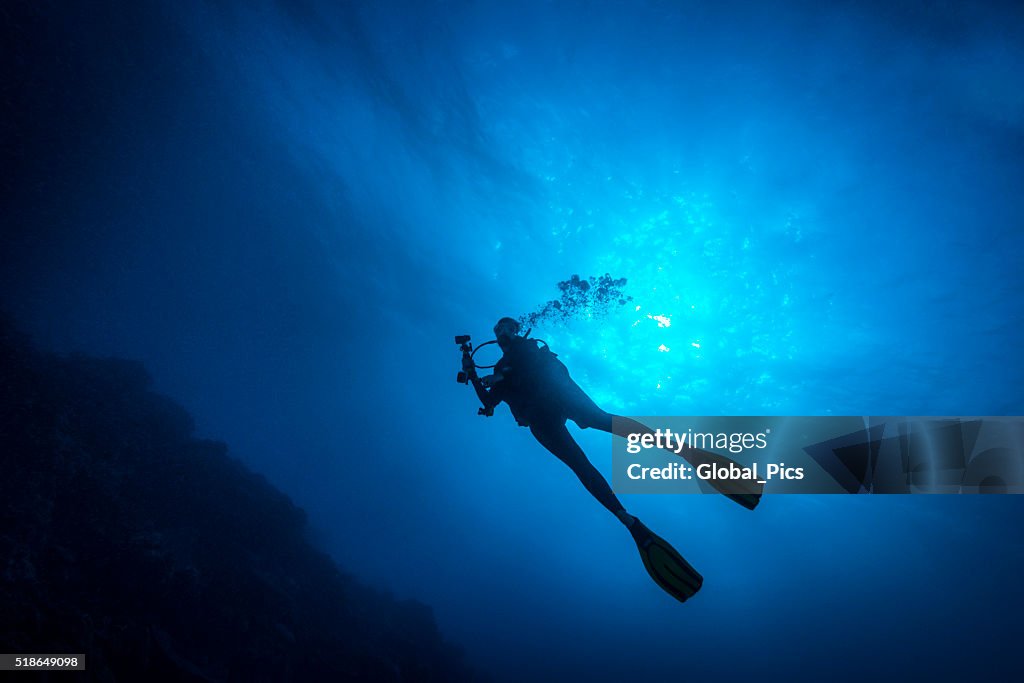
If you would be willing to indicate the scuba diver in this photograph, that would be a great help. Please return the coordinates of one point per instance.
(542, 396)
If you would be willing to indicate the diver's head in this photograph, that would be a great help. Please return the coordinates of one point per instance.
(505, 330)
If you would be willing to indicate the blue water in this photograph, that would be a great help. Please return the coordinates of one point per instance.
(288, 210)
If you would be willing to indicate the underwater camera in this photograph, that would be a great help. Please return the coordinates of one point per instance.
(467, 352)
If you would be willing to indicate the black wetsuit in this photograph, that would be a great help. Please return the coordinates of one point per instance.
(542, 396)
(538, 389)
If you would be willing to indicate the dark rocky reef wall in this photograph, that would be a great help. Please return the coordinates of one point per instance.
(163, 558)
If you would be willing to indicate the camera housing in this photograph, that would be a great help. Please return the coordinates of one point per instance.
(467, 350)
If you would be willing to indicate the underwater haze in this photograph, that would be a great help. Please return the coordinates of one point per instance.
(287, 210)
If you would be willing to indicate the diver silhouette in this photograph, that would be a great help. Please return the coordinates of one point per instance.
(542, 396)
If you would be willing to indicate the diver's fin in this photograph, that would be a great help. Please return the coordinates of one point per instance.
(743, 491)
(666, 566)
(747, 500)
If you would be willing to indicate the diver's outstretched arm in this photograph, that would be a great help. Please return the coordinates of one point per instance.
(483, 393)
(490, 393)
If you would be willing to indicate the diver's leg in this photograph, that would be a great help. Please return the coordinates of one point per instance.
(743, 491)
(584, 412)
(588, 414)
(557, 439)
(624, 426)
